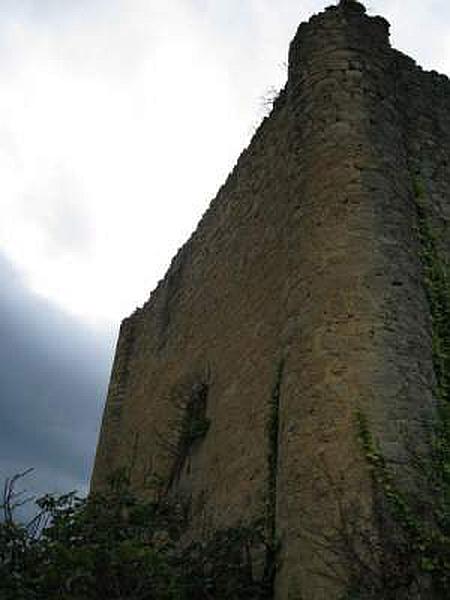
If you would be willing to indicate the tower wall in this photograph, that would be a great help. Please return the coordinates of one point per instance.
(298, 303)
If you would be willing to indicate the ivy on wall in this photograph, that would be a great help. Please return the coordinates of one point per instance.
(418, 541)
(188, 427)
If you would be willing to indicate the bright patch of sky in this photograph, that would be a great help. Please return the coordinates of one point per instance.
(120, 119)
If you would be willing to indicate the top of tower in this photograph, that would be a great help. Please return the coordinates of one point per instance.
(344, 25)
(352, 5)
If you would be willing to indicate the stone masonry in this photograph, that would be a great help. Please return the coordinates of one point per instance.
(304, 277)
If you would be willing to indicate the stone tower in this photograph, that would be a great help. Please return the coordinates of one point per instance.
(299, 303)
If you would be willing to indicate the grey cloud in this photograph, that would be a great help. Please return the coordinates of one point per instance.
(45, 10)
(67, 225)
(53, 376)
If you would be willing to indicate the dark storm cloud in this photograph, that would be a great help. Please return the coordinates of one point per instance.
(53, 377)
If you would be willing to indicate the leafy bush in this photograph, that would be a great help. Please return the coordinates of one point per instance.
(114, 546)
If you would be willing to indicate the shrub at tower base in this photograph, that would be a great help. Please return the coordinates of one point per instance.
(114, 546)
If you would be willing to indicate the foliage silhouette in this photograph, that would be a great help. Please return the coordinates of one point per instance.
(114, 546)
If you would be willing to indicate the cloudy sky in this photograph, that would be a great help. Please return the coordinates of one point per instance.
(119, 120)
